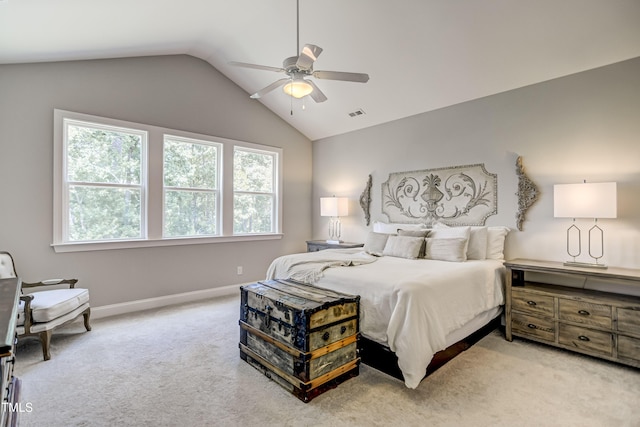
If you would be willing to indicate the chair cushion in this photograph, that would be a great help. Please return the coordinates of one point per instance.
(49, 305)
(41, 327)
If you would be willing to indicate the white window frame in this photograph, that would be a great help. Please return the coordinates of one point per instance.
(66, 184)
(275, 191)
(217, 191)
(154, 188)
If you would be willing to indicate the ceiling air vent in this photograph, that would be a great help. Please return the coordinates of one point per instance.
(357, 113)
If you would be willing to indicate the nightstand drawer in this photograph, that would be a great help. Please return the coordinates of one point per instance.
(531, 302)
(629, 320)
(584, 312)
(629, 347)
(533, 326)
(586, 339)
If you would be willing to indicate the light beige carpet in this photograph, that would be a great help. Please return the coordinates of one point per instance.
(180, 366)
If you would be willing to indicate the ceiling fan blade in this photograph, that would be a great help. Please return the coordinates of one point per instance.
(340, 75)
(317, 94)
(269, 88)
(256, 66)
(308, 56)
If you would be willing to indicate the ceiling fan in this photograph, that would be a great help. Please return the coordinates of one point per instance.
(299, 68)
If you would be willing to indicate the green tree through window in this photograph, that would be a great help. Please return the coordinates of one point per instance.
(254, 176)
(190, 187)
(104, 185)
(120, 184)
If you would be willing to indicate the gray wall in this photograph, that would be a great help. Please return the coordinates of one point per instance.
(179, 92)
(583, 126)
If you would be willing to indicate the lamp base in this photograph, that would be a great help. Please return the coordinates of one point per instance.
(585, 265)
(334, 242)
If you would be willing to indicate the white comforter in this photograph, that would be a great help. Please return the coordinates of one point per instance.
(411, 305)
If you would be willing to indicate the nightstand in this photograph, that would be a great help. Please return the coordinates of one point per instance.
(597, 323)
(318, 245)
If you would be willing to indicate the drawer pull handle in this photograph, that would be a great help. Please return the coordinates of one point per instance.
(343, 329)
(583, 338)
(326, 336)
(531, 303)
(584, 312)
(532, 326)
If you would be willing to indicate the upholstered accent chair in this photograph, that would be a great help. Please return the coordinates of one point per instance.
(41, 311)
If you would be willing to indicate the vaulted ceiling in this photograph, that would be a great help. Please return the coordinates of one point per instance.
(421, 55)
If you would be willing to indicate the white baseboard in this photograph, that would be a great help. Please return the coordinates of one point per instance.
(148, 303)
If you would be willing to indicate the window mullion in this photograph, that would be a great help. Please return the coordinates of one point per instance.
(154, 185)
(227, 192)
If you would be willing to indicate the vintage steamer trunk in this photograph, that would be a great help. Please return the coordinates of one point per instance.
(303, 337)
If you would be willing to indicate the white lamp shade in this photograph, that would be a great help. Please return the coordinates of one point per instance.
(585, 200)
(334, 206)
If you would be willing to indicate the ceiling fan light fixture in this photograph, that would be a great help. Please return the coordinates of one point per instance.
(298, 88)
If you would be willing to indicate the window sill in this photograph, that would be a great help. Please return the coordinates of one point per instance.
(128, 244)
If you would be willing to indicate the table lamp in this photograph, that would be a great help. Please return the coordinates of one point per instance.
(585, 200)
(334, 207)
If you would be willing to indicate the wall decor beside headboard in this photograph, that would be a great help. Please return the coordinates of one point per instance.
(527, 193)
(365, 201)
(458, 195)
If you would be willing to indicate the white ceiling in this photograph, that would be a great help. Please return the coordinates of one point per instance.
(421, 55)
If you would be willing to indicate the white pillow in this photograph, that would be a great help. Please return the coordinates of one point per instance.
(392, 228)
(413, 233)
(478, 238)
(443, 231)
(495, 241)
(416, 233)
(403, 246)
(375, 243)
(446, 249)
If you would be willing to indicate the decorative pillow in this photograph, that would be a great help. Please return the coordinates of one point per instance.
(442, 231)
(413, 233)
(375, 243)
(403, 247)
(392, 228)
(495, 241)
(447, 249)
(416, 233)
(477, 248)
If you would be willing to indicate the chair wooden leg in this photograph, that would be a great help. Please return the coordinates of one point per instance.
(45, 340)
(86, 315)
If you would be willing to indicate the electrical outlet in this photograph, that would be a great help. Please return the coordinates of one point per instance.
(239, 269)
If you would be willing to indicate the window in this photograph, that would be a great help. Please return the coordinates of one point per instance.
(191, 179)
(103, 182)
(254, 195)
(119, 184)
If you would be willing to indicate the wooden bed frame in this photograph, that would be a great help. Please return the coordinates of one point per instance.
(380, 357)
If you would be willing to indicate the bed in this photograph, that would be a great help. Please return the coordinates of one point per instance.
(413, 306)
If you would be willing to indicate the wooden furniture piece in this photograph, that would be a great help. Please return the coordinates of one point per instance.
(319, 245)
(384, 360)
(10, 385)
(303, 337)
(597, 323)
(45, 310)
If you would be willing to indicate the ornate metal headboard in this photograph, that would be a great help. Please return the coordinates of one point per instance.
(458, 195)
